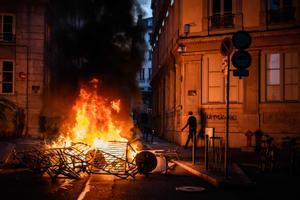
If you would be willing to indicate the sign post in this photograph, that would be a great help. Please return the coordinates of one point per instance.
(241, 59)
(227, 120)
(226, 50)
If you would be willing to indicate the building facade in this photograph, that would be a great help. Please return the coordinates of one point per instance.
(188, 73)
(145, 74)
(144, 77)
(23, 76)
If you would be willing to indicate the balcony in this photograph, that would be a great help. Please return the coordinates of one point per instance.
(281, 16)
(7, 37)
(218, 21)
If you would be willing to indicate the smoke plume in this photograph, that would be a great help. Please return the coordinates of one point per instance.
(94, 39)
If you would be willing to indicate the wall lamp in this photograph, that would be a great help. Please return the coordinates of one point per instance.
(181, 48)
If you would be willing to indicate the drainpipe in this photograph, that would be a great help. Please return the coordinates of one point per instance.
(27, 89)
(174, 86)
(179, 16)
(259, 88)
(208, 16)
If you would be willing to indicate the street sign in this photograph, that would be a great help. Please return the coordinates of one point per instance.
(226, 46)
(240, 73)
(22, 75)
(241, 40)
(241, 59)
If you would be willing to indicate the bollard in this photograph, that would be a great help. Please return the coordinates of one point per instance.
(206, 152)
(194, 149)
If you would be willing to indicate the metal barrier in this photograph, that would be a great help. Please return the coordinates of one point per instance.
(289, 154)
(268, 154)
(70, 161)
(214, 153)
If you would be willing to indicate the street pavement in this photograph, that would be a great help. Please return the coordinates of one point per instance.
(173, 153)
(21, 183)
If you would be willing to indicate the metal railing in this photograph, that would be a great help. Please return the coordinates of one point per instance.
(115, 159)
(289, 157)
(214, 153)
(281, 15)
(7, 37)
(282, 156)
(218, 21)
(267, 154)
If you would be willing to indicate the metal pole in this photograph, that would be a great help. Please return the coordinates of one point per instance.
(194, 148)
(227, 118)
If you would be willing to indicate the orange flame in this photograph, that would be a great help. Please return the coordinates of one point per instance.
(94, 120)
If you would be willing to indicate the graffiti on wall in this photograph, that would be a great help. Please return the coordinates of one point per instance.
(219, 116)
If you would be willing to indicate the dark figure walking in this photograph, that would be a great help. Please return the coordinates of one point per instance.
(192, 123)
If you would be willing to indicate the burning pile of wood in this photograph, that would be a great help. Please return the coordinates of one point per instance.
(85, 141)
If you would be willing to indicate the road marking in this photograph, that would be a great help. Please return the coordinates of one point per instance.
(85, 190)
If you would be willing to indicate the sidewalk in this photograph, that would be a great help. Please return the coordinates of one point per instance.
(236, 176)
(6, 149)
(8, 146)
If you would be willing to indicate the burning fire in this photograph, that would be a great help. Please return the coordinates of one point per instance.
(93, 122)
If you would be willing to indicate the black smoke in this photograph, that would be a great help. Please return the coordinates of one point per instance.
(93, 39)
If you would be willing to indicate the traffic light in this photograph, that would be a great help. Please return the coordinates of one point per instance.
(241, 59)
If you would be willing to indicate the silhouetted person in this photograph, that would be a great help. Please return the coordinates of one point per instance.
(136, 133)
(136, 137)
(145, 126)
(192, 124)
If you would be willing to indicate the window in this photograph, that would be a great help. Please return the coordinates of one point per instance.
(214, 85)
(142, 74)
(7, 77)
(280, 11)
(277, 4)
(222, 16)
(149, 54)
(6, 27)
(273, 77)
(149, 73)
(282, 76)
(149, 22)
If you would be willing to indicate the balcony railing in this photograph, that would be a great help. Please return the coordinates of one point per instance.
(218, 21)
(282, 15)
(7, 37)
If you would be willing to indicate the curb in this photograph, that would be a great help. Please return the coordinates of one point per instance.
(6, 150)
(210, 179)
(242, 181)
